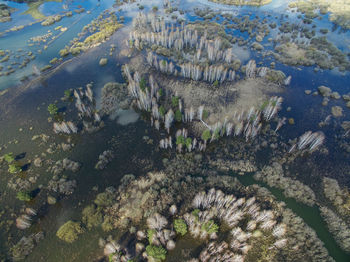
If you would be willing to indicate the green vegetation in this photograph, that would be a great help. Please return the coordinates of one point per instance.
(155, 8)
(5, 59)
(51, 20)
(24, 196)
(92, 216)
(157, 253)
(178, 115)
(104, 199)
(180, 140)
(143, 84)
(180, 226)
(264, 105)
(339, 10)
(9, 158)
(196, 212)
(101, 28)
(162, 111)
(210, 227)
(33, 10)
(54, 60)
(150, 233)
(14, 168)
(67, 94)
(206, 135)
(106, 28)
(216, 83)
(160, 92)
(69, 231)
(175, 101)
(64, 52)
(188, 142)
(107, 224)
(205, 114)
(53, 109)
(216, 134)
(45, 68)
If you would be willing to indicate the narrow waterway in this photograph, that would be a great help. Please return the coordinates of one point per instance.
(311, 216)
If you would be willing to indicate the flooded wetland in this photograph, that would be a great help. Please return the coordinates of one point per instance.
(175, 130)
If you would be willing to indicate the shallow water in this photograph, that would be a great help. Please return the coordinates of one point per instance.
(311, 215)
(125, 132)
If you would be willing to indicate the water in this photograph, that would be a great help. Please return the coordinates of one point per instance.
(125, 133)
(311, 216)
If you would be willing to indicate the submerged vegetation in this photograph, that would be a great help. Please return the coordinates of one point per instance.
(5, 13)
(339, 10)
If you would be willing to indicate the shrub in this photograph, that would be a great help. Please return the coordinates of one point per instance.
(180, 140)
(205, 114)
(24, 196)
(210, 227)
(206, 135)
(160, 92)
(92, 216)
(175, 101)
(178, 115)
(180, 226)
(157, 253)
(107, 224)
(69, 231)
(150, 233)
(162, 111)
(64, 52)
(143, 84)
(104, 199)
(188, 142)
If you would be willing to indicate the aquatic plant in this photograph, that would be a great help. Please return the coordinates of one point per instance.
(14, 168)
(53, 109)
(9, 158)
(104, 159)
(67, 94)
(25, 245)
(65, 127)
(69, 231)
